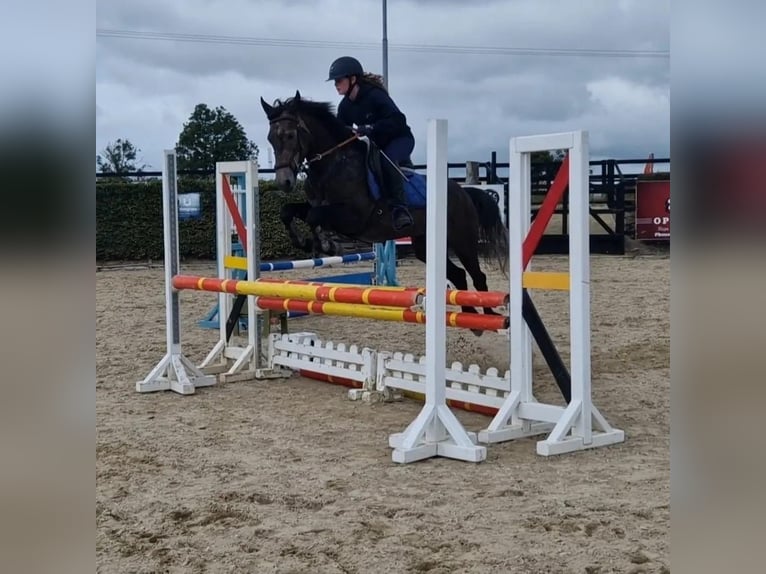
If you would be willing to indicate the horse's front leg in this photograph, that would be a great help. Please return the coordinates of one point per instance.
(290, 214)
(324, 242)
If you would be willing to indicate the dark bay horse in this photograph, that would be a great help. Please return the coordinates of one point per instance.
(306, 135)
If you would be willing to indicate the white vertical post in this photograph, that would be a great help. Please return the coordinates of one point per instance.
(436, 431)
(436, 275)
(507, 423)
(172, 255)
(521, 338)
(579, 276)
(521, 354)
(223, 248)
(174, 371)
(216, 360)
(253, 256)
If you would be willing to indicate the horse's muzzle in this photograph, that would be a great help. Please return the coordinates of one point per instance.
(287, 186)
(285, 179)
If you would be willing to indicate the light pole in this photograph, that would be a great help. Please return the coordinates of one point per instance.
(385, 43)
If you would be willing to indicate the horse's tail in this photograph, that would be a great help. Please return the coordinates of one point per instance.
(492, 232)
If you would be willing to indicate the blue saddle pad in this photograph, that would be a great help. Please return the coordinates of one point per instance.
(414, 188)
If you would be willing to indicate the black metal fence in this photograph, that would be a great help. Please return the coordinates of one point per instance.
(612, 197)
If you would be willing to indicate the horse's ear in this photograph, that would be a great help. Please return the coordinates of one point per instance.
(297, 95)
(267, 108)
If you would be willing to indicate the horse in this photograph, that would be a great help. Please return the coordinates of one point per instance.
(306, 136)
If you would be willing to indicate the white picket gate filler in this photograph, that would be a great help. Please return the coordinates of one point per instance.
(397, 372)
(383, 375)
(305, 351)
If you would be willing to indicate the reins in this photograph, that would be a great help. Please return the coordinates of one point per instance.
(319, 156)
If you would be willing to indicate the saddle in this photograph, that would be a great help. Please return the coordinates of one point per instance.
(414, 184)
(372, 160)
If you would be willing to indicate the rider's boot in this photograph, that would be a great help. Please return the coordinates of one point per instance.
(394, 189)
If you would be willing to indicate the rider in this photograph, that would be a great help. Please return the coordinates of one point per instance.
(367, 104)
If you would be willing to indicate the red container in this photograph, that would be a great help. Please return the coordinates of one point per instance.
(653, 210)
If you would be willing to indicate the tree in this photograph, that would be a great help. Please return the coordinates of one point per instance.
(120, 157)
(210, 136)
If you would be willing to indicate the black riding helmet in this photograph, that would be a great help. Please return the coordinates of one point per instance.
(343, 67)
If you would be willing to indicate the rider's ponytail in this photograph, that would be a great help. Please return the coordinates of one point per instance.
(374, 79)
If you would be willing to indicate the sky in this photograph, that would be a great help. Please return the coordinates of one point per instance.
(493, 69)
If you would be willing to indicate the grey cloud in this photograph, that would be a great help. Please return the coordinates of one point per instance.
(535, 100)
(486, 98)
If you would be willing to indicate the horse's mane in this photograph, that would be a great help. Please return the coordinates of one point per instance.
(323, 112)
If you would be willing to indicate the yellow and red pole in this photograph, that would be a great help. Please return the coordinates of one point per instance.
(475, 321)
(383, 304)
(454, 297)
(337, 293)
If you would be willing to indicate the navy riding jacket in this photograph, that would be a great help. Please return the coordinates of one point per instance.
(374, 107)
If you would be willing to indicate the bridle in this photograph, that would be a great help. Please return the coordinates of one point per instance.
(296, 165)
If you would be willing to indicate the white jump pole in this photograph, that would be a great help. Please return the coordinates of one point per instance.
(174, 372)
(436, 431)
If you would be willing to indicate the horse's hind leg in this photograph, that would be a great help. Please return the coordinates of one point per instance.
(418, 244)
(454, 273)
(459, 280)
(470, 260)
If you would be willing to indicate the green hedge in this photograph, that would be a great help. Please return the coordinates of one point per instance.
(129, 222)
